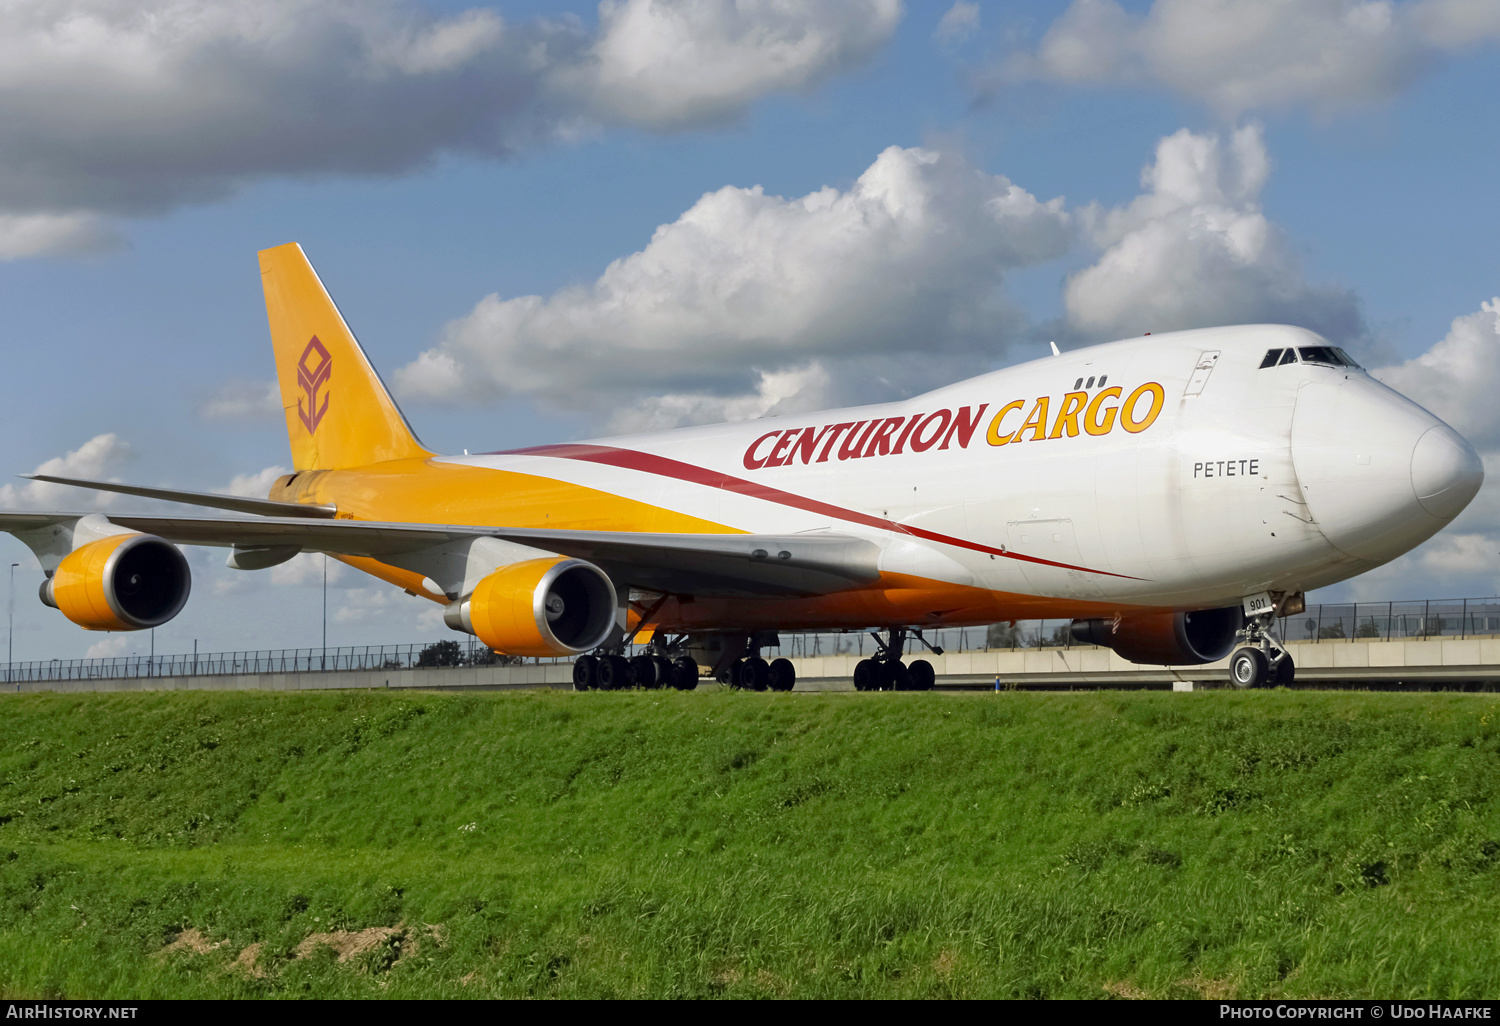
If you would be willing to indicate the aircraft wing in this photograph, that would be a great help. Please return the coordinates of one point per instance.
(814, 563)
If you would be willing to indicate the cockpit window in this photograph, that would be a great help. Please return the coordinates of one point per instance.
(1331, 355)
(1320, 354)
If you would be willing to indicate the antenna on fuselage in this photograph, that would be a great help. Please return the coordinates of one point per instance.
(1055, 350)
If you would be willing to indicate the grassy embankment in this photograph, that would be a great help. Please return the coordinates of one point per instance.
(737, 844)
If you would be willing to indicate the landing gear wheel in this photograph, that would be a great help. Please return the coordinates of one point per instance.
(1255, 663)
(643, 670)
(900, 677)
(755, 674)
(866, 675)
(1248, 669)
(922, 675)
(684, 673)
(783, 675)
(614, 673)
(665, 671)
(585, 673)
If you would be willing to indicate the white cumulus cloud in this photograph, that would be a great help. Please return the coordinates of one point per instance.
(256, 485)
(94, 460)
(667, 65)
(110, 646)
(1238, 55)
(1463, 561)
(777, 392)
(43, 235)
(959, 22)
(242, 401)
(1459, 377)
(749, 299)
(130, 107)
(385, 603)
(308, 568)
(750, 304)
(1196, 250)
(304, 570)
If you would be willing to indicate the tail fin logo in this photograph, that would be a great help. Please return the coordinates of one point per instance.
(311, 378)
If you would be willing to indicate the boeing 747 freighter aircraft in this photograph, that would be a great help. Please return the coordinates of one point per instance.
(1171, 494)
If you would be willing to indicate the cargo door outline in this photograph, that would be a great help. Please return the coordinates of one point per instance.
(1053, 540)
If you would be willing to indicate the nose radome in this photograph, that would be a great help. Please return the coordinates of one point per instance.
(1446, 472)
(1378, 473)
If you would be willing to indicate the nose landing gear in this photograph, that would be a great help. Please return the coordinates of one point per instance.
(885, 671)
(1263, 661)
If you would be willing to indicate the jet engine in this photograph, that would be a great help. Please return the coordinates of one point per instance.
(125, 582)
(539, 607)
(1166, 639)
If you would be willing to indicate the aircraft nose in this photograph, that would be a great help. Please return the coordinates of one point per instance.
(1446, 472)
(1379, 474)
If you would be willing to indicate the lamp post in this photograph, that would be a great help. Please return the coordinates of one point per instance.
(10, 652)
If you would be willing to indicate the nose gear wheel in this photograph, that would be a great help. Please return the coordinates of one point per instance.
(1262, 660)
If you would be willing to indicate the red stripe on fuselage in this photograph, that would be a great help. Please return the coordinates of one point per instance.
(662, 466)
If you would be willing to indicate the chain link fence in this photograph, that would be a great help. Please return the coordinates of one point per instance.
(422, 655)
(1322, 624)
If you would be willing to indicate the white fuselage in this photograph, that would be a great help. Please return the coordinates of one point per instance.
(1244, 479)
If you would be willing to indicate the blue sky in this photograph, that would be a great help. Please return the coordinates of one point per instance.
(1328, 162)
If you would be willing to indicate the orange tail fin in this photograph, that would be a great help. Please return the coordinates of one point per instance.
(338, 412)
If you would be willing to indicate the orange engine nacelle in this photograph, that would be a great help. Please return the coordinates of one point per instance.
(1166, 639)
(540, 607)
(126, 582)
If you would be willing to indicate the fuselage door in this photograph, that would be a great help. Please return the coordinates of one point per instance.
(1207, 361)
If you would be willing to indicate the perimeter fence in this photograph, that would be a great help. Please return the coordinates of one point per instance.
(1328, 623)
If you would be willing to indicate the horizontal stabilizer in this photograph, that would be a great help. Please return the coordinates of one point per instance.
(237, 503)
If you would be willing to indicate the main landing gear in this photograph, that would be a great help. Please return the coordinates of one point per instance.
(614, 672)
(1263, 661)
(666, 665)
(753, 673)
(885, 671)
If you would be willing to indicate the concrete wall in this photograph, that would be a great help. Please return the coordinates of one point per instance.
(1320, 660)
(481, 677)
(1475, 660)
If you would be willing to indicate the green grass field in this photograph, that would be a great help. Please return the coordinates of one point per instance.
(723, 844)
